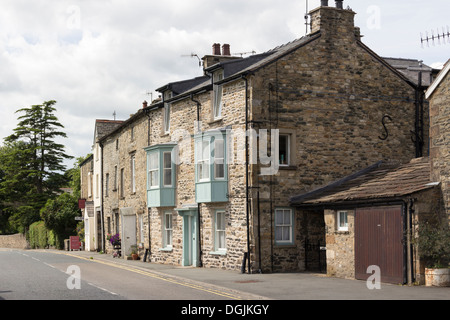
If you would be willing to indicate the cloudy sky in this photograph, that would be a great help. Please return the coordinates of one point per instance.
(95, 57)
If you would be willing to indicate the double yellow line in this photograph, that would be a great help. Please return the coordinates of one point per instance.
(163, 278)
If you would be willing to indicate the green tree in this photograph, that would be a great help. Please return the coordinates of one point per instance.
(16, 187)
(59, 216)
(37, 131)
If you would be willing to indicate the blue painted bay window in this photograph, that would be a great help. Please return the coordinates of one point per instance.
(161, 175)
(211, 173)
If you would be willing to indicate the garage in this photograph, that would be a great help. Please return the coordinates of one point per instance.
(379, 242)
(371, 218)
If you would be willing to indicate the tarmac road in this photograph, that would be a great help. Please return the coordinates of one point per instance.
(104, 277)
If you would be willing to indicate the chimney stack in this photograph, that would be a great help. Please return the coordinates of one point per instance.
(324, 3)
(216, 49)
(226, 50)
(339, 4)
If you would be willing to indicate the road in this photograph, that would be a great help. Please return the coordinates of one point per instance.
(35, 275)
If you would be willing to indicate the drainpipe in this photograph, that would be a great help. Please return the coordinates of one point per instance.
(101, 197)
(244, 77)
(149, 252)
(199, 204)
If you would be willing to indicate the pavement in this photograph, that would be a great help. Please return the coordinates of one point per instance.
(276, 286)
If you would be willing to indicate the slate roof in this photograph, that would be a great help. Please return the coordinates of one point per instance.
(411, 67)
(105, 127)
(381, 181)
(235, 68)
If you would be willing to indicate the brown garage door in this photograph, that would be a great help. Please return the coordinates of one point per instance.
(378, 241)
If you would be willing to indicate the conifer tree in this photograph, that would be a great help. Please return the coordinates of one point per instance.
(38, 129)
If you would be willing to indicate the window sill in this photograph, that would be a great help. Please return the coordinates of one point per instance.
(218, 253)
(342, 232)
(285, 167)
(285, 245)
(168, 249)
(218, 120)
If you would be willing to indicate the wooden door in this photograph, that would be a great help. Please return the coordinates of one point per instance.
(379, 241)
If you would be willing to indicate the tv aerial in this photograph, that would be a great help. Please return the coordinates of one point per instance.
(439, 37)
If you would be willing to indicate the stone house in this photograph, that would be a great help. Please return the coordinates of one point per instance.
(86, 202)
(439, 97)
(91, 187)
(217, 160)
(124, 180)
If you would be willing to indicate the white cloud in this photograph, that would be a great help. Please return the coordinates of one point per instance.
(96, 57)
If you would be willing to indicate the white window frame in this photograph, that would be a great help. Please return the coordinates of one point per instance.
(167, 230)
(220, 231)
(219, 161)
(217, 95)
(167, 169)
(344, 226)
(166, 124)
(153, 171)
(288, 151)
(282, 224)
(133, 174)
(203, 160)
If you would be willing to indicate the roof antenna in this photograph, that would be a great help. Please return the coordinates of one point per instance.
(444, 35)
(193, 55)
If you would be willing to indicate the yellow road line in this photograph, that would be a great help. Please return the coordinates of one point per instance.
(163, 278)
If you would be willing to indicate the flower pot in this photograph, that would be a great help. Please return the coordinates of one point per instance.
(135, 256)
(437, 277)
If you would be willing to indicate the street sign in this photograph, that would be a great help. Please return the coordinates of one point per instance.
(79, 218)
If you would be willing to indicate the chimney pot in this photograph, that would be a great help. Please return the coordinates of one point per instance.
(216, 49)
(226, 50)
(324, 3)
(144, 104)
(339, 4)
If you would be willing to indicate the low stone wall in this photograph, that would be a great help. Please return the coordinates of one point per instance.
(15, 241)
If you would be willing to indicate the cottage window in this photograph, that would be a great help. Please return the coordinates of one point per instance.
(167, 169)
(133, 174)
(217, 91)
(284, 149)
(153, 170)
(167, 96)
(283, 226)
(219, 159)
(167, 230)
(161, 176)
(203, 158)
(219, 235)
(211, 170)
(122, 182)
(107, 185)
(342, 221)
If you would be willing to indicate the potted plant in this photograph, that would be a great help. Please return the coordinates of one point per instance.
(434, 249)
(134, 254)
(115, 242)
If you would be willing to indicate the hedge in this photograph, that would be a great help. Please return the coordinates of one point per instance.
(40, 237)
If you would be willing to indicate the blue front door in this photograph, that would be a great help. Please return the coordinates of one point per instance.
(190, 237)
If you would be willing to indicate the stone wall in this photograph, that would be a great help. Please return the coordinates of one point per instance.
(330, 96)
(15, 241)
(440, 139)
(118, 150)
